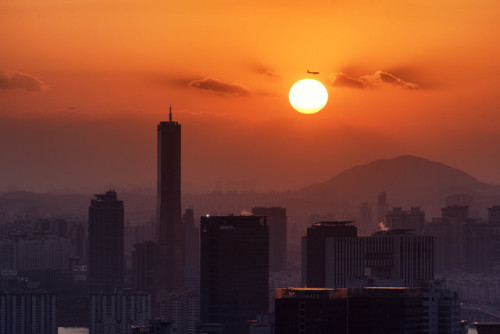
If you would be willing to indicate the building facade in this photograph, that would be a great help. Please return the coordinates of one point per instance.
(106, 242)
(234, 270)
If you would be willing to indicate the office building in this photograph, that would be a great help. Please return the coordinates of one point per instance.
(169, 225)
(234, 270)
(277, 222)
(106, 242)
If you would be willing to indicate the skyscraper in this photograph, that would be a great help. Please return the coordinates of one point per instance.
(276, 220)
(316, 240)
(106, 237)
(234, 270)
(170, 234)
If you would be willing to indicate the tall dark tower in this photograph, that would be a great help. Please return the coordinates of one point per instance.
(106, 236)
(168, 212)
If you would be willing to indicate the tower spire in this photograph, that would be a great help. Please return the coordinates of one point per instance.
(170, 114)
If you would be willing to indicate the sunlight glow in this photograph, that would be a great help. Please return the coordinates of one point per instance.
(308, 96)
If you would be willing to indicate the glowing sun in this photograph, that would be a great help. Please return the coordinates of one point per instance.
(308, 96)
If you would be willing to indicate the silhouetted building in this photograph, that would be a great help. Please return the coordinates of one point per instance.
(316, 243)
(116, 313)
(382, 207)
(366, 310)
(170, 234)
(277, 222)
(494, 225)
(191, 251)
(463, 244)
(28, 313)
(153, 327)
(144, 265)
(310, 310)
(385, 310)
(234, 270)
(365, 217)
(106, 237)
(391, 255)
(182, 309)
(399, 219)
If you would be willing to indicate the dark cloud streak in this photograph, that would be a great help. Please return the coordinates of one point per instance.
(219, 86)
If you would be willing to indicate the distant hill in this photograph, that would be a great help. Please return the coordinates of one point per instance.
(405, 179)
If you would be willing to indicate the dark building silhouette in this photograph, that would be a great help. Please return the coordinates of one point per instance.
(365, 310)
(277, 222)
(106, 238)
(494, 225)
(144, 265)
(463, 244)
(191, 251)
(398, 219)
(336, 254)
(381, 207)
(170, 234)
(311, 311)
(234, 270)
(316, 238)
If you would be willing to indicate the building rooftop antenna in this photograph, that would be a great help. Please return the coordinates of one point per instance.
(170, 114)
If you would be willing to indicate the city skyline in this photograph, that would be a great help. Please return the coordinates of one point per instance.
(83, 84)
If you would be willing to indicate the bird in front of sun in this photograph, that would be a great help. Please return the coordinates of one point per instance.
(308, 96)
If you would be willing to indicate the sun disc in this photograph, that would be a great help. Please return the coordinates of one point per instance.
(308, 96)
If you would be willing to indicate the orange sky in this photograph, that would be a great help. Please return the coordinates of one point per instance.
(83, 84)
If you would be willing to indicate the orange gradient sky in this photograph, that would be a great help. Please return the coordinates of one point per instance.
(84, 82)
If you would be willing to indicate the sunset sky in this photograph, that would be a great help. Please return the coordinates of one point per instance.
(83, 84)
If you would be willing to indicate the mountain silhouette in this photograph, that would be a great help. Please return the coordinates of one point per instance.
(405, 179)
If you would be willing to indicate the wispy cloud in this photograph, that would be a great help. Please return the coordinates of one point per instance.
(27, 82)
(377, 80)
(219, 86)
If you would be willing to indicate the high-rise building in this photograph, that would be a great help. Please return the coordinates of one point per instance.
(106, 238)
(169, 225)
(234, 270)
(316, 241)
(277, 222)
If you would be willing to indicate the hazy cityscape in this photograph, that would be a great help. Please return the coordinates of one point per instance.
(326, 258)
(249, 167)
